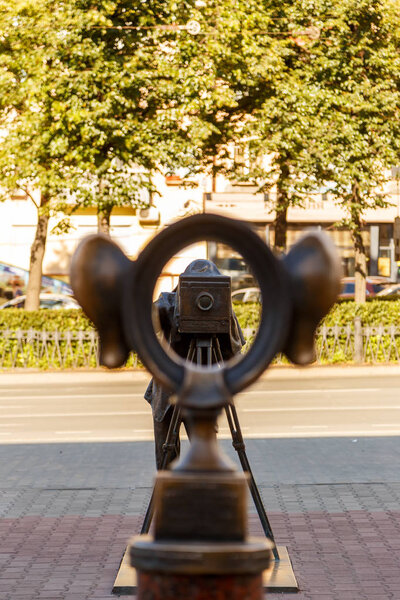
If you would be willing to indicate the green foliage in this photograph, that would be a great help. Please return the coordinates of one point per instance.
(46, 355)
(79, 353)
(288, 124)
(357, 64)
(223, 74)
(83, 100)
(44, 320)
(374, 312)
(327, 115)
(248, 314)
(55, 349)
(112, 85)
(336, 347)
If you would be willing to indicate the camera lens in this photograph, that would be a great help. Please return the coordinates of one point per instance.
(204, 301)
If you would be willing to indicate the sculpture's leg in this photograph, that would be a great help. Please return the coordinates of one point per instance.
(239, 445)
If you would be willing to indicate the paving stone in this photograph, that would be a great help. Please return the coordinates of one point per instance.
(67, 511)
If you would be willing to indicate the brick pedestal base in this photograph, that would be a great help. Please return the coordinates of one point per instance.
(160, 586)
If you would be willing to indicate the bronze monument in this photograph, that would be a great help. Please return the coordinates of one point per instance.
(200, 548)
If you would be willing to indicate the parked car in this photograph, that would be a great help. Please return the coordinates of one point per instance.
(237, 270)
(251, 294)
(373, 286)
(391, 290)
(47, 300)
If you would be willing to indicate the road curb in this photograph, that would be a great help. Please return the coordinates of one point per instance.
(27, 377)
(317, 371)
(71, 377)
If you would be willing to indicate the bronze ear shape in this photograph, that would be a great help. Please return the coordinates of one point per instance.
(315, 273)
(98, 271)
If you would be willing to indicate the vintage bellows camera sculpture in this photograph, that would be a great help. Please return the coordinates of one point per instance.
(200, 547)
(204, 303)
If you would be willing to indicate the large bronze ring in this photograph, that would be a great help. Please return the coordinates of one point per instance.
(272, 278)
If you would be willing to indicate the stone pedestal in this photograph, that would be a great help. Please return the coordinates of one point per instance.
(200, 549)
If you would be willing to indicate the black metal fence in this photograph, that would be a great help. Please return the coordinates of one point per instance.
(352, 343)
(50, 349)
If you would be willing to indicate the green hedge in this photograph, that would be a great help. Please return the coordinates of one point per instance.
(73, 320)
(378, 347)
(248, 313)
(44, 320)
(375, 312)
(15, 354)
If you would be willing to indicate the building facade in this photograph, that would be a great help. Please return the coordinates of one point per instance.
(132, 229)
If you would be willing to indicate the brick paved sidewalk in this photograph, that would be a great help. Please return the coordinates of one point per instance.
(343, 539)
(67, 511)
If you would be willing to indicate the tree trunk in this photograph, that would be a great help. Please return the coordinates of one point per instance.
(360, 287)
(281, 230)
(360, 259)
(103, 221)
(282, 203)
(36, 259)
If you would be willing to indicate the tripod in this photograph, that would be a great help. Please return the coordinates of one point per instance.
(202, 350)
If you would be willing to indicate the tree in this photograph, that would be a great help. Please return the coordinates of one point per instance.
(358, 69)
(287, 126)
(288, 129)
(82, 106)
(316, 88)
(266, 100)
(221, 77)
(23, 161)
(113, 91)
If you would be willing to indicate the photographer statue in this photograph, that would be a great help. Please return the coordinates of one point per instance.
(229, 342)
(200, 546)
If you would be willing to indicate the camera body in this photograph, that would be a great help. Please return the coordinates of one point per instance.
(204, 304)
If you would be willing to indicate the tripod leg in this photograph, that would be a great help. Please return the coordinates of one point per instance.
(168, 447)
(191, 351)
(199, 356)
(209, 355)
(217, 351)
(239, 445)
(148, 516)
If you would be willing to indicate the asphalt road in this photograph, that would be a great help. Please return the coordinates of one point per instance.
(114, 410)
